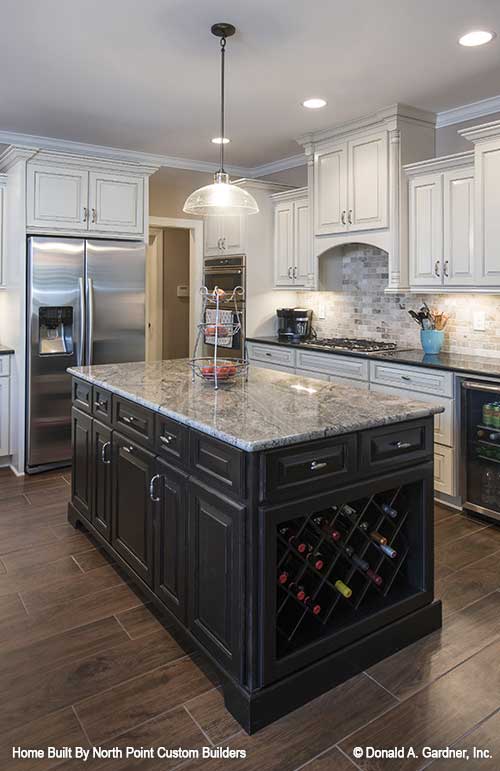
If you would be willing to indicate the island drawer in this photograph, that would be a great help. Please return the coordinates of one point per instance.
(303, 469)
(217, 463)
(101, 404)
(171, 439)
(406, 442)
(82, 395)
(134, 421)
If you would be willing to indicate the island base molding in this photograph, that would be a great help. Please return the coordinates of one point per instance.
(256, 710)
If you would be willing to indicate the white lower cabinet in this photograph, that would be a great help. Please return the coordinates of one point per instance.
(444, 469)
(5, 406)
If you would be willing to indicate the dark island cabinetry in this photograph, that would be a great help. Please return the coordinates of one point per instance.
(292, 568)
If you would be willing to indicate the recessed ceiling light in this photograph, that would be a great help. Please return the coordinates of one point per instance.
(314, 103)
(477, 37)
(221, 140)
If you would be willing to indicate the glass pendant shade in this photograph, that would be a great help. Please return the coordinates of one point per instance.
(220, 198)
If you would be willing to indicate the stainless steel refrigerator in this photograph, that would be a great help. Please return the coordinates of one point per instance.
(85, 306)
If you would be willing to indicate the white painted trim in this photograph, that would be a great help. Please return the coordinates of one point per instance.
(195, 228)
(292, 162)
(442, 163)
(468, 112)
(481, 133)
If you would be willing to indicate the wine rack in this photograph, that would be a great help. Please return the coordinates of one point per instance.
(333, 569)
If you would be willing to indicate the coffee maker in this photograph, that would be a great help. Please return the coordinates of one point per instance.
(294, 324)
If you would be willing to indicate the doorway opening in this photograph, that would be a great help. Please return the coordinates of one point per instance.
(173, 279)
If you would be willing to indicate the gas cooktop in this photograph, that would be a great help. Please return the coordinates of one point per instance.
(350, 344)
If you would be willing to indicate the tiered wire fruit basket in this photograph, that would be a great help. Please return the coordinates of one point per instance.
(218, 327)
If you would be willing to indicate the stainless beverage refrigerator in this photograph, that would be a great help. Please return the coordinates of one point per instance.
(85, 305)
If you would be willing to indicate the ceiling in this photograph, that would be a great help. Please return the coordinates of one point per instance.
(143, 75)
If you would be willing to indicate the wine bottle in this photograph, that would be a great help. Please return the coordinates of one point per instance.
(342, 588)
(377, 580)
(494, 437)
(324, 525)
(316, 609)
(349, 512)
(389, 510)
(360, 563)
(283, 578)
(317, 559)
(388, 550)
(300, 592)
(291, 536)
(381, 540)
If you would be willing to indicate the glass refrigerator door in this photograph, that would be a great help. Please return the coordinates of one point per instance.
(482, 452)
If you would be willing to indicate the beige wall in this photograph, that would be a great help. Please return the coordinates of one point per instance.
(175, 309)
(296, 177)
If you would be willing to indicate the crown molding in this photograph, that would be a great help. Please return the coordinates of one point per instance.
(292, 162)
(481, 133)
(13, 155)
(443, 163)
(468, 112)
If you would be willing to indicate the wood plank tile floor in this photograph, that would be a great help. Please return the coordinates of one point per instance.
(84, 661)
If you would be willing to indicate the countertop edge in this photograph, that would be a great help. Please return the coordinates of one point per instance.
(263, 444)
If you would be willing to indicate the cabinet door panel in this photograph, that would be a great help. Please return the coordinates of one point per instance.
(216, 599)
(426, 217)
(3, 225)
(101, 483)
(170, 538)
(301, 243)
(330, 191)
(132, 518)
(487, 207)
(212, 236)
(57, 197)
(283, 244)
(116, 203)
(81, 477)
(458, 234)
(232, 230)
(368, 183)
(4, 415)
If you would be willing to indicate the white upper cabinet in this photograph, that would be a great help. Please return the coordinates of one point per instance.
(3, 235)
(351, 185)
(116, 203)
(330, 190)
(68, 194)
(57, 197)
(441, 223)
(426, 228)
(224, 235)
(488, 213)
(367, 182)
(292, 240)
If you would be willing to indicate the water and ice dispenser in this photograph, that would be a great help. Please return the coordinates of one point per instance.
(55, 330)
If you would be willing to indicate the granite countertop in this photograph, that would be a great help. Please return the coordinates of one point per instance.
(272, 409)
(456, 362)
(5, 351)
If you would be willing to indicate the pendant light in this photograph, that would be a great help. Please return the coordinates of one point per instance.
(221, 197)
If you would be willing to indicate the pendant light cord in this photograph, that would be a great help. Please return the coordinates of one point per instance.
(222, 63)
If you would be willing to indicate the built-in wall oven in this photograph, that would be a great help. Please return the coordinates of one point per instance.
(481, 448)
(227, 274)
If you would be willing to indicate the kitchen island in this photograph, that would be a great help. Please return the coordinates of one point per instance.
(285, 524)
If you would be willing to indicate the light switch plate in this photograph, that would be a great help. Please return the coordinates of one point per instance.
(479, 321)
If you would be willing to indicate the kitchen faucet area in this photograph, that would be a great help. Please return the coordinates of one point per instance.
(250, 386)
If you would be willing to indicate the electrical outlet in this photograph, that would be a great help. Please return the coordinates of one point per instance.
(479, 321)
(322, 311)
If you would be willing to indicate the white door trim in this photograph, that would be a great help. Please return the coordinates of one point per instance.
(195, 228)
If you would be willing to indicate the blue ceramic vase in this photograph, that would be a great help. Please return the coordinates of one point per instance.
(432, 340)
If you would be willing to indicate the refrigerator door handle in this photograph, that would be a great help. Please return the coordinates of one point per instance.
(90, 296)
(82, 322)
(478, 385)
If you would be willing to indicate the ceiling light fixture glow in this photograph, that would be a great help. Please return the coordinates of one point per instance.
(221, 198)
(220, 140)
(478, 37)
(315, 103)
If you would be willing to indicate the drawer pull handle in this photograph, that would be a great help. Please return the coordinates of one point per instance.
(155, 498)
(105, 460)
(127, 419)
(167, 438)
(399, 445)
(405, 377)
(128, 449)
(101, 405)
(268, 354)
(315, 466)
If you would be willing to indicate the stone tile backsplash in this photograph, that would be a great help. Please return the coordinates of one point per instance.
(362, 309)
